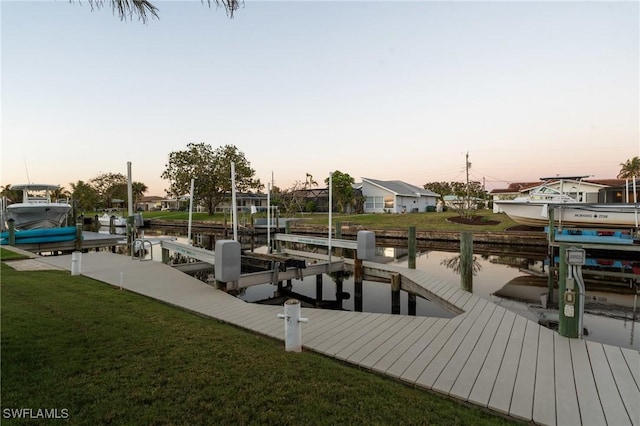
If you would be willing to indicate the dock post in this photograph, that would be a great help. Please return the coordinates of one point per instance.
(339, 287)
(292, 325)
(79, 234)
(395, 293)
(318, 289)
(338, 235)
(466, 261)
(76, 263)
(96, 223)
(12, 232)
(411, 300)
(358, 270)
(165, 256)
(550, 251)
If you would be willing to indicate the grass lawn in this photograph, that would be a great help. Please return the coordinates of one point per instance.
(113, 357)
(425, 221)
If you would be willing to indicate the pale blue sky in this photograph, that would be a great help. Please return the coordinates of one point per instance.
(385, 90)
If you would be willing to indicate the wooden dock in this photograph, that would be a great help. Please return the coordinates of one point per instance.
(486, 356)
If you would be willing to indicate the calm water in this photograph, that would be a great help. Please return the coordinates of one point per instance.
(608, 315)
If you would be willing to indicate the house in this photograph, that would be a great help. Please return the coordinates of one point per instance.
(395, 196)
(149, 203)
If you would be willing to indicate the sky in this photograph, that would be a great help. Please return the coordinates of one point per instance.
(386, 90)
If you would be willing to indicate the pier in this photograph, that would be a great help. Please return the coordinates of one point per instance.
(486, 356)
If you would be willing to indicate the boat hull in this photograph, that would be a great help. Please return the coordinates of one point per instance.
(573, 215)
(105, 220)
(38, 215)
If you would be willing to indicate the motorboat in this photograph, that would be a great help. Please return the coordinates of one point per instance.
(37, 211)
(534, 210)
(118, 221)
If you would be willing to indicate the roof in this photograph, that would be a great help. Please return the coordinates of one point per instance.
(401, 188)
(34, 187)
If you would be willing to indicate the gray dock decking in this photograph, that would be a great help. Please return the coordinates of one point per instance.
(487, 356)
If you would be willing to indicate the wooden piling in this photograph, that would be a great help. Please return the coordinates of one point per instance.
(339, 288)
(318, 289)
(412, 247)
(395, 293)
(357, 284)
(412, 243)
(466, 261)
(12, 232)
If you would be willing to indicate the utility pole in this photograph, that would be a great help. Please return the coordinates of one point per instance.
(467, 164)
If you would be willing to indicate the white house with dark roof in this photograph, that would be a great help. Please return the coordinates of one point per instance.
(394, 196)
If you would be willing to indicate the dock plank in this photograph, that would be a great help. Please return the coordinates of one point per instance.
(457, 360)
(359, 338)
(567, 408)
(483, 386)
(398, 342)
(628, 390)
(503, 387)
(470, 370)
(588, 399)
(414, 370)
(401, 357)
(524, 389)
(544, 398)
(375, 343)
(612, 405)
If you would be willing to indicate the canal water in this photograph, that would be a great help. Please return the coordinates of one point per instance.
(515, 283)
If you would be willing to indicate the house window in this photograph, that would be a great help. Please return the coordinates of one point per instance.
(388, 202)
(375, 203)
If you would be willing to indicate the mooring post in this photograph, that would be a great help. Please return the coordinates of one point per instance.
(338, 235)
(96, 223)
(358, 273)
(551, 249)
(318, 289)
(466, 261)
(395, 293)
(76, 263)
(292, 325)
(339, 287)
(12, 232)
(411, 300)
(79, 233)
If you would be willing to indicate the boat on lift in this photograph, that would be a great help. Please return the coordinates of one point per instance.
(37, 211)
(533, 209)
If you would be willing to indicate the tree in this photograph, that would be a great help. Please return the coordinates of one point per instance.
(12, 195)
(113, 186)
(211, 171)
(85, 195)
(342, 187)
(630, 168)
(144, 9)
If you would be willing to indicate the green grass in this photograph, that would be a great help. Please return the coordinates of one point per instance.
(422, 221)
(6, 254)
(111, 356)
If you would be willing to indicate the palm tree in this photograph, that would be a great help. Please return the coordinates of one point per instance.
(630, 168)
(144, 9)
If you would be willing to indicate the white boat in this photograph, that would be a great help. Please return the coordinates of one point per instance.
(533, 210)
(119, 221)
(37, 211)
